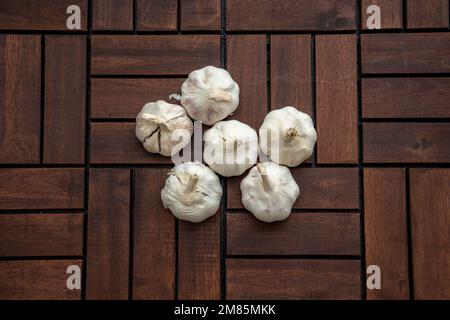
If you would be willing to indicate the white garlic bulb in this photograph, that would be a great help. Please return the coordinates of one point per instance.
(163, 128)
(269, 191)
(192, 192)
(209, 95)
(231, 147)
(287, 136)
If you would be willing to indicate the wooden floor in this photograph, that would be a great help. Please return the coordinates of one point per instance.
(77, 188)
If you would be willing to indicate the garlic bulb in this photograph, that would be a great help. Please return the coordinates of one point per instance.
(287, 136)
(269, 192)
(231, 147)
(163, 128)
(192, 192)
(209, 95)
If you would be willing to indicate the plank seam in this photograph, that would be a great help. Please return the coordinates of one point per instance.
(223, 220)
(360, 154)
(313, 91)
(87, 151)
(131, 234)
(42, 119)
(409, 234)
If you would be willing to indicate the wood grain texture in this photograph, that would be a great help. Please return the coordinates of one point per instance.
(427, 13)
(65, 99)
(300, 234)
(41, 188)
(293, 279)
(406, 142)
(116, 143)
(290, 76)
(430, 223)
(154, 256)
(406, 98)
(156, 15)
(57, 234)
(20, 106)
(200, 15)
(37, 280)
(247, 63)
(45, 15)
(336, 102)
(405, 53)
(199, 259)
(153, 54)
(112, 15)
(301, 15)
(386, 238)
(391, 13)
(108, 234)
(320, 188)
(124, 98)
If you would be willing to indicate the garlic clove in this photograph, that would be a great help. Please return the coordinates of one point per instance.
(287, 136)
(192, 192)
(163, 128)
(231, 147)
(269, 191)
(209, 95)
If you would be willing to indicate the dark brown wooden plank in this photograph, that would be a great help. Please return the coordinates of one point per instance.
(124, 98)
(293, 279)
(427, 14)
(391, 13)
(200, 15)
(43, 15)
(199, 259)
(430, 223)
(290, 76)
(336, 102)
(20, 85)
(406, 142)
(405, 53)
(108, 234)
(112, 15)
(301, 15)
(41, 234)
(247, 64)
(406, 98)
(320, 188)
(41, 188)
(116, 143)
(300, 234)
(386, 239)
(154, 54)
(154, 240)
(156, 15)
(65, 99)
(37, 280)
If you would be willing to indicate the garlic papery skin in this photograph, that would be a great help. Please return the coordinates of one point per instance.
(192, 192)
(163, 128)
(287, 136)
(231, 147)
(269, 191)
(209, 95)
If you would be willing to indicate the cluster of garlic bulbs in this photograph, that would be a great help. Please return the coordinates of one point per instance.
(193, 191)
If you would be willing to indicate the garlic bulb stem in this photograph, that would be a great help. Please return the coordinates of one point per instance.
(192, 183)
(291, 133)
(220, 96)
(189, 191)
(267, 185)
